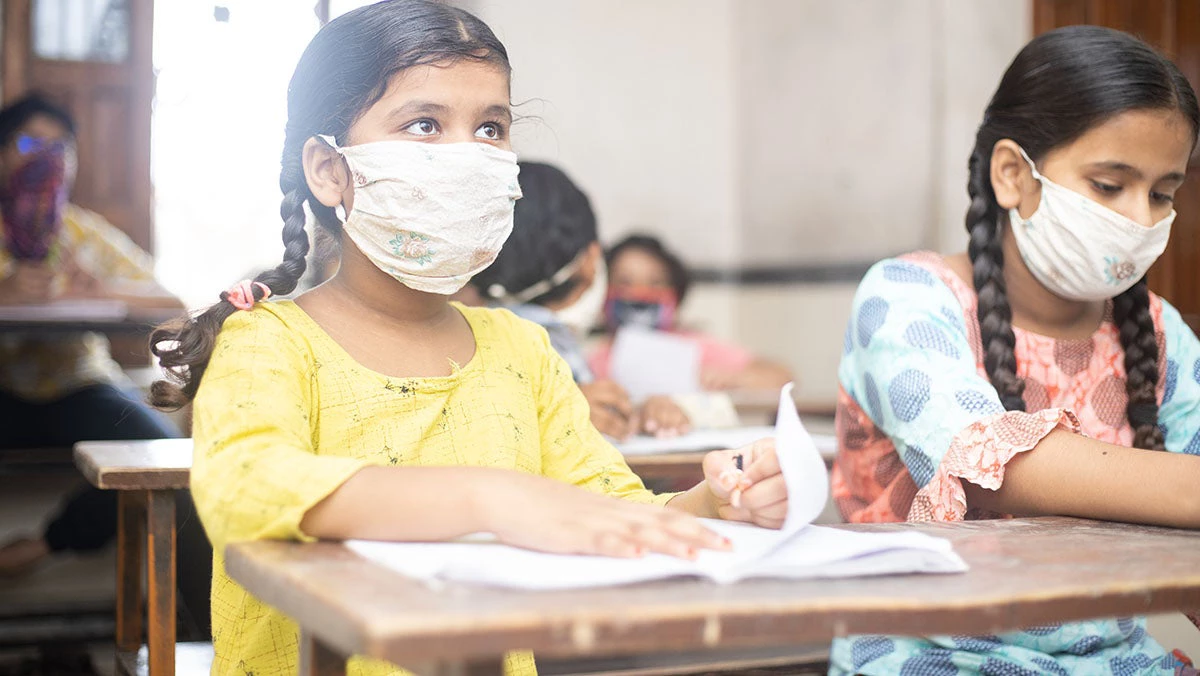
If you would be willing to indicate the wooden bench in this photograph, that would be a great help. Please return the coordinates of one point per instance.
(147, 474)
(25, 460)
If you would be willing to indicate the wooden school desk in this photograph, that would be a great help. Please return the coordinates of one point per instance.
(80, 316)
(147, 474)
(684, 468)
(1024, 572)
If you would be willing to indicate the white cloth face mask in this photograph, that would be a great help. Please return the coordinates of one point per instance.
(1080, 249)
(585, 312)
(431, 215)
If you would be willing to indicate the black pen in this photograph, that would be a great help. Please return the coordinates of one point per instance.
(735, 497)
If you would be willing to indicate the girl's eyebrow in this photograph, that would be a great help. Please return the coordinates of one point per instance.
(416, 107)
(1134, 172)
(503, 112)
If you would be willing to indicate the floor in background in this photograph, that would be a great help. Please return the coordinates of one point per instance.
(66, 584)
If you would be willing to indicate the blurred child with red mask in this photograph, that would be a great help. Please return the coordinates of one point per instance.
(646, 285)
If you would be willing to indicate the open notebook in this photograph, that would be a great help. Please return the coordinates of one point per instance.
(798, 550)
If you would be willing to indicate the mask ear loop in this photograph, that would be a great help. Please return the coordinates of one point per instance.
(498, 292)
(1032, 167)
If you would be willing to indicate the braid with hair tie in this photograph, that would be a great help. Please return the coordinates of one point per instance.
(1131, 314)
(284, 277)
(987, 262)
(183, 347)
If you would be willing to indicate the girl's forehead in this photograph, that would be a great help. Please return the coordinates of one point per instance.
(462, 88)
(636, 260)
(463, 81)
(1155, 142)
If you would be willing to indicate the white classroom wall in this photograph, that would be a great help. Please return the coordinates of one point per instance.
(763, 132)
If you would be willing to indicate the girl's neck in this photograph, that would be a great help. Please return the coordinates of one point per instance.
(359, 284)
(1036, 309)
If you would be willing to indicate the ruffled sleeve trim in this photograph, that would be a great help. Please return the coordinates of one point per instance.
(979, 454)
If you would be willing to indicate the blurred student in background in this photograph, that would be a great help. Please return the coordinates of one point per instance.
(647, 284)
(552, 271)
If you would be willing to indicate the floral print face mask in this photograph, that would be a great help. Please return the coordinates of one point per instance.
(1080, 249)
(431, 215)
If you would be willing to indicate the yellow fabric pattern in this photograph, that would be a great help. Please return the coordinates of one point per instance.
(44, 368)
(284, 416)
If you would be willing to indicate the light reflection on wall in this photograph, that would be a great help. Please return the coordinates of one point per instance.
(219, 115)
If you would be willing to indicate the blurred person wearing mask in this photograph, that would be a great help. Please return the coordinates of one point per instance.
(56, 390)
(551, 271)
(647, 284)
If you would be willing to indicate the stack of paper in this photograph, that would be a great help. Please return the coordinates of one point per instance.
(798, 550)
(648, 363)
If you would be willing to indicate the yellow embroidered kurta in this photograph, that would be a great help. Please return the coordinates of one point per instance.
(284, 416)
(44, 368)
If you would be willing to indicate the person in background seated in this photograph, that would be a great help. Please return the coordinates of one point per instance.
(647, 285)
(551, 271)
(57, 390)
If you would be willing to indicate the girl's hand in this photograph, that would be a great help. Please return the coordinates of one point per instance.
(611, 410)
(539, 513)
(755, 495)
(80, 282)
(717, 379)
(28, 283)
(662, 417)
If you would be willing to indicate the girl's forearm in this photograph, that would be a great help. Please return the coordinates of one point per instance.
(697, 501)
(406, 504)
(1071, 475)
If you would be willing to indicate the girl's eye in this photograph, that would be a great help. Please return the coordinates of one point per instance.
(489, 131)
(422, 128)
(1162, 198)
(1106, 188)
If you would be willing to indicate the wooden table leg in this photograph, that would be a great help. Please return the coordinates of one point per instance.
(318, 659)
(493, 667)
(131, 534)
(160, 563)
(486, 668)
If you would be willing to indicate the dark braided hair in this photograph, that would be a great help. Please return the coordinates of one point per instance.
(1062, 84)
(343, 71)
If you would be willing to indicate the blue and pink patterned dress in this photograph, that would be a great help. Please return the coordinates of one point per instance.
(917, 415)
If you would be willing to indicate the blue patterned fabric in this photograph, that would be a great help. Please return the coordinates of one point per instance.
(909, 364)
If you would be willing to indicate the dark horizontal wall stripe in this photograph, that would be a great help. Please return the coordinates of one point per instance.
(802, 273)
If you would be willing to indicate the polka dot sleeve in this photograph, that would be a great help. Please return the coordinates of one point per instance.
(1179, 414)
(909, 363)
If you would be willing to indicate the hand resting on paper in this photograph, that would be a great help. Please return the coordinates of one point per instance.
(522, 510)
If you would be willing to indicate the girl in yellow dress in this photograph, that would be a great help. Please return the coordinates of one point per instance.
(371, 406)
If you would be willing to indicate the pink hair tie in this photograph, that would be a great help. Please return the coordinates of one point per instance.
(241, 295)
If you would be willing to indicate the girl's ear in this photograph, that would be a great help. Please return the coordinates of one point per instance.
(326, 173)
(1012, 181)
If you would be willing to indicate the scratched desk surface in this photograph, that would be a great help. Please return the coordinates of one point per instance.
(1023, 572)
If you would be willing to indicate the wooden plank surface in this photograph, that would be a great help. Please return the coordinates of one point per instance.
(161, 464)
(1024, 572)
(141, 323)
